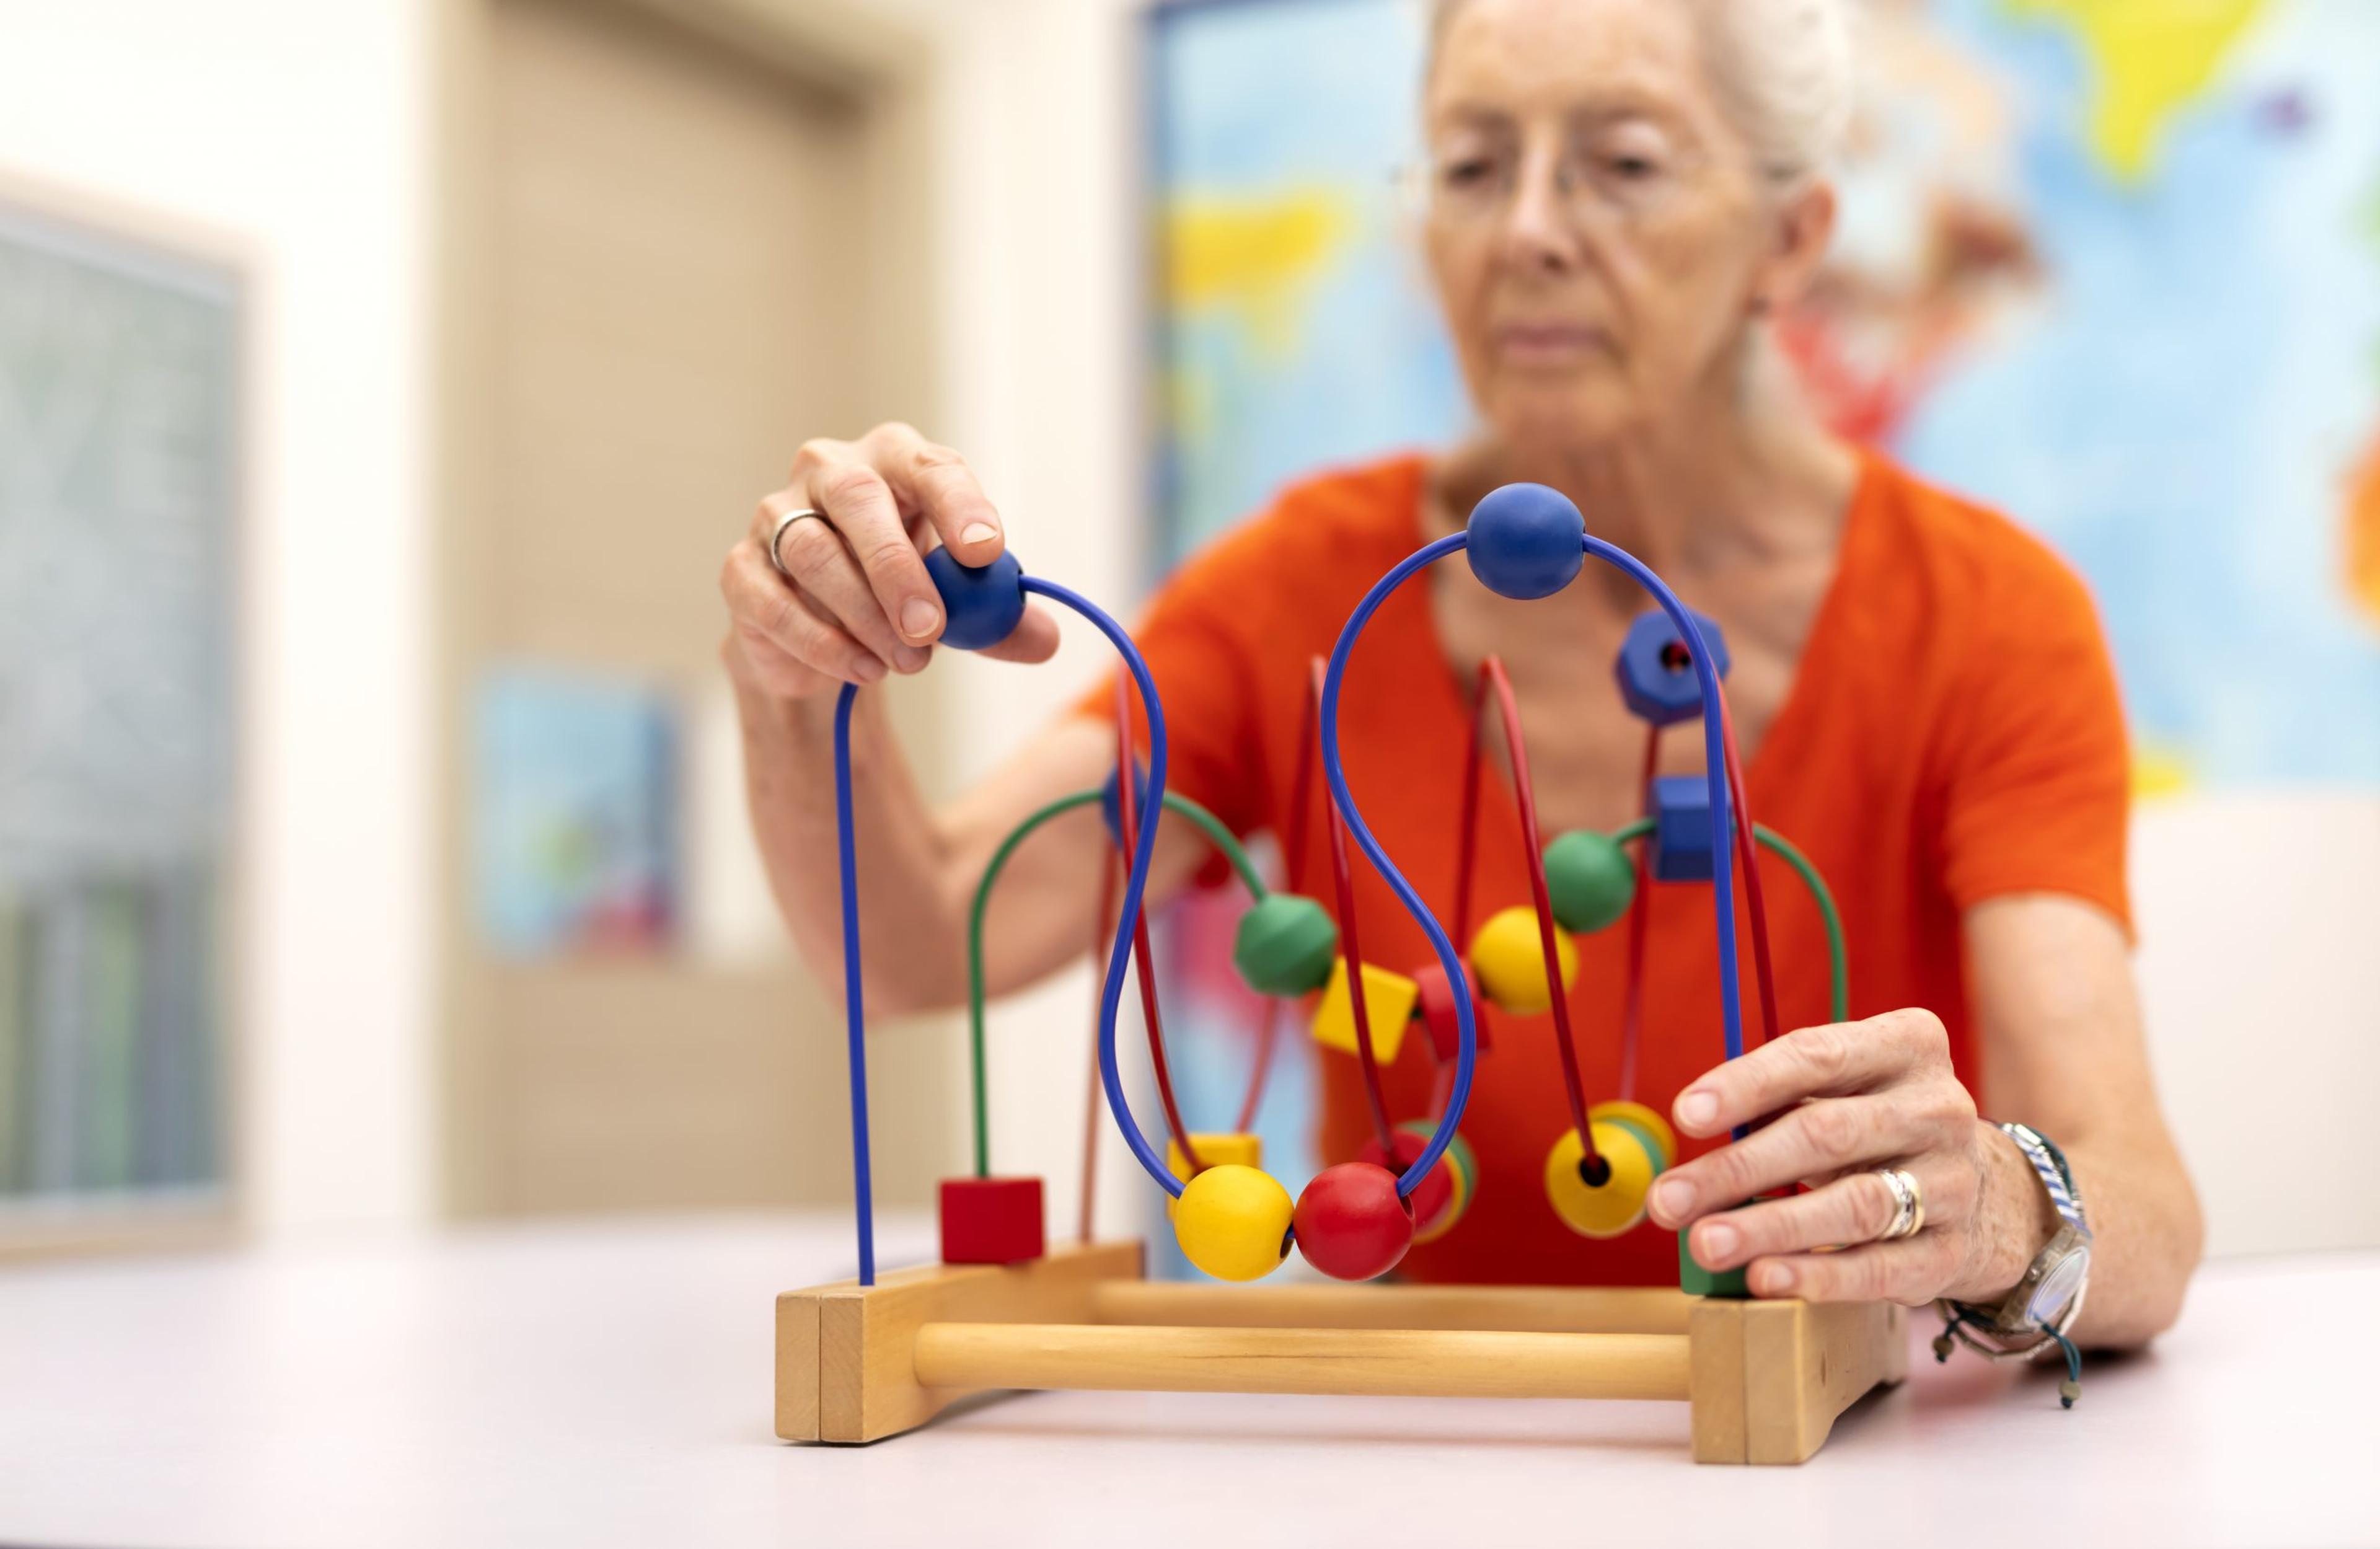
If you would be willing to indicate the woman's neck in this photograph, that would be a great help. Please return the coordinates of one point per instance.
(1742, 475)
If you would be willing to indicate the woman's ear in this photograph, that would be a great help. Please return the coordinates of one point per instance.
(1803, 229)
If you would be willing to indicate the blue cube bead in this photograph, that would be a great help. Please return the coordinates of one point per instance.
(1683, 849)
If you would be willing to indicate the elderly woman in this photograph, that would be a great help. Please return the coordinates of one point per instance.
(1621, 193)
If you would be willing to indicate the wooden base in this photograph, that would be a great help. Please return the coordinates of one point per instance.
(1766, 1379)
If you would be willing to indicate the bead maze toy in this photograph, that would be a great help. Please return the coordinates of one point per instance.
(1006, 1309)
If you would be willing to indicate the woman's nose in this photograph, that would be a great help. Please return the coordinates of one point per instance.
(1538, 229)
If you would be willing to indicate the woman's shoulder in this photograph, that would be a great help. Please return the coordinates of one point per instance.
(1962, 557)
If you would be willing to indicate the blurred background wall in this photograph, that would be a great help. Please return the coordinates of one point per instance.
(527, 335)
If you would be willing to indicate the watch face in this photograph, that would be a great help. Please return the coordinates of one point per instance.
(2058, 1287)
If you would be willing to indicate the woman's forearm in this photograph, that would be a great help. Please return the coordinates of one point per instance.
(916, 951)
(2064, 1052)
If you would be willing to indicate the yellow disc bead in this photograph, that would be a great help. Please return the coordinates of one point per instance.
(1231, 1220)
(1616, 1204)
(1649, 1117)
(1510, 959)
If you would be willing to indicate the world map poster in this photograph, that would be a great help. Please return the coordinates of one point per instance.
(2112, 267)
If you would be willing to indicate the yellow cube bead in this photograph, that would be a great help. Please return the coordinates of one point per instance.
(1388, 1000)
(1214, 1151)
(1617, 1203)
(1510, 959)
(1231, 1220)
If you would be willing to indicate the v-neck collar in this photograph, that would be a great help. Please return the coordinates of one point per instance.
(1833, 604)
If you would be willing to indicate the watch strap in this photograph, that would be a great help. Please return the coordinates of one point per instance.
(2050, 1164)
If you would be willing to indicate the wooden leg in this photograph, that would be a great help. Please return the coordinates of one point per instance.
(1768, 1378)
(846, 1354)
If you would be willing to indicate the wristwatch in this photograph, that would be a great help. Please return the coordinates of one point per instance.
(2032, 1320)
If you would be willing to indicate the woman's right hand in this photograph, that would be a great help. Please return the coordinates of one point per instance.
(854, 601)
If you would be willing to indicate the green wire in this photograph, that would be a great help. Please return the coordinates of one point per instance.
(1174, 802)
(1838, 960)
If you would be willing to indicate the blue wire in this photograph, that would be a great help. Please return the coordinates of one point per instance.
(1449, 960)
(1136, 879)
(855, 1010)
(1714, 770)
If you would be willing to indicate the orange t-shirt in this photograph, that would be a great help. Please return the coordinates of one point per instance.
(1952, 732)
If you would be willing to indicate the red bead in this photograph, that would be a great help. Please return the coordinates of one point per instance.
(1351, 1225)
(1434, 1004)
(990, 1220)
(1435, 1190)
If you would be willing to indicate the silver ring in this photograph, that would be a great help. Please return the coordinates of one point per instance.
(778, 533)
(1909, 1204)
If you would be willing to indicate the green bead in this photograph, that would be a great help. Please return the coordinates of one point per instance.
(1591, 880)
(1694, 1280)
(1285, 947)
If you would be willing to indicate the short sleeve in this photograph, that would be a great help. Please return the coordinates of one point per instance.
(2037, 776)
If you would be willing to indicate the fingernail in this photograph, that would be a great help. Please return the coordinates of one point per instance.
(1672, 1198)
(1697, 1108)
(919, 617)
(1719, 1243)
(868, 670)
(979, 532)
(1775, 1279)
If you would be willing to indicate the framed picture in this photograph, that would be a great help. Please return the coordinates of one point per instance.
(124, 418)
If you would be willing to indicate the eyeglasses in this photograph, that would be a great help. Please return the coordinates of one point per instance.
(1596, 180)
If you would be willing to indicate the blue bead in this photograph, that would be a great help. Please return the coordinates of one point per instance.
(1681, 829)
(981, 606)
(1113, 809)
(1525, 542)
(1657, 675)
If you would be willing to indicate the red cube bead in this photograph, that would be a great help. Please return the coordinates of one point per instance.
(991, 1220)
(1434, 1004)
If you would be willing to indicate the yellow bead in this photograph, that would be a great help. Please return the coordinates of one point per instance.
(1214, 1151)
(1231, 1220)
(1388, 1000)
(1510, 959)
(1649, 1119)
(1460, 1170)
(1616, 1204)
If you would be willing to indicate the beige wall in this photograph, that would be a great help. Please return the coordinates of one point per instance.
(300, 129)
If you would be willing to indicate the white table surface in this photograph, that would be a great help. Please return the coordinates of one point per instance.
(609, 1383)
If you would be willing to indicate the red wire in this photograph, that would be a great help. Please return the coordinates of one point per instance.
(1640, 923)
(1493, 669)
(1344, 883)
(1143, 969)
(1102, 930)
(1749, 856)
(1293, 865)
(1467, 844)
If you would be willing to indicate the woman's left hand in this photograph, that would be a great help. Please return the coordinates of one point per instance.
(1851, 1099)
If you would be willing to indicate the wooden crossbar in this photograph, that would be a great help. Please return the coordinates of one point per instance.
(1517, 1309)
(1429, 1363)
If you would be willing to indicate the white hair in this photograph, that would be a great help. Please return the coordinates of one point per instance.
(1783, 71)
